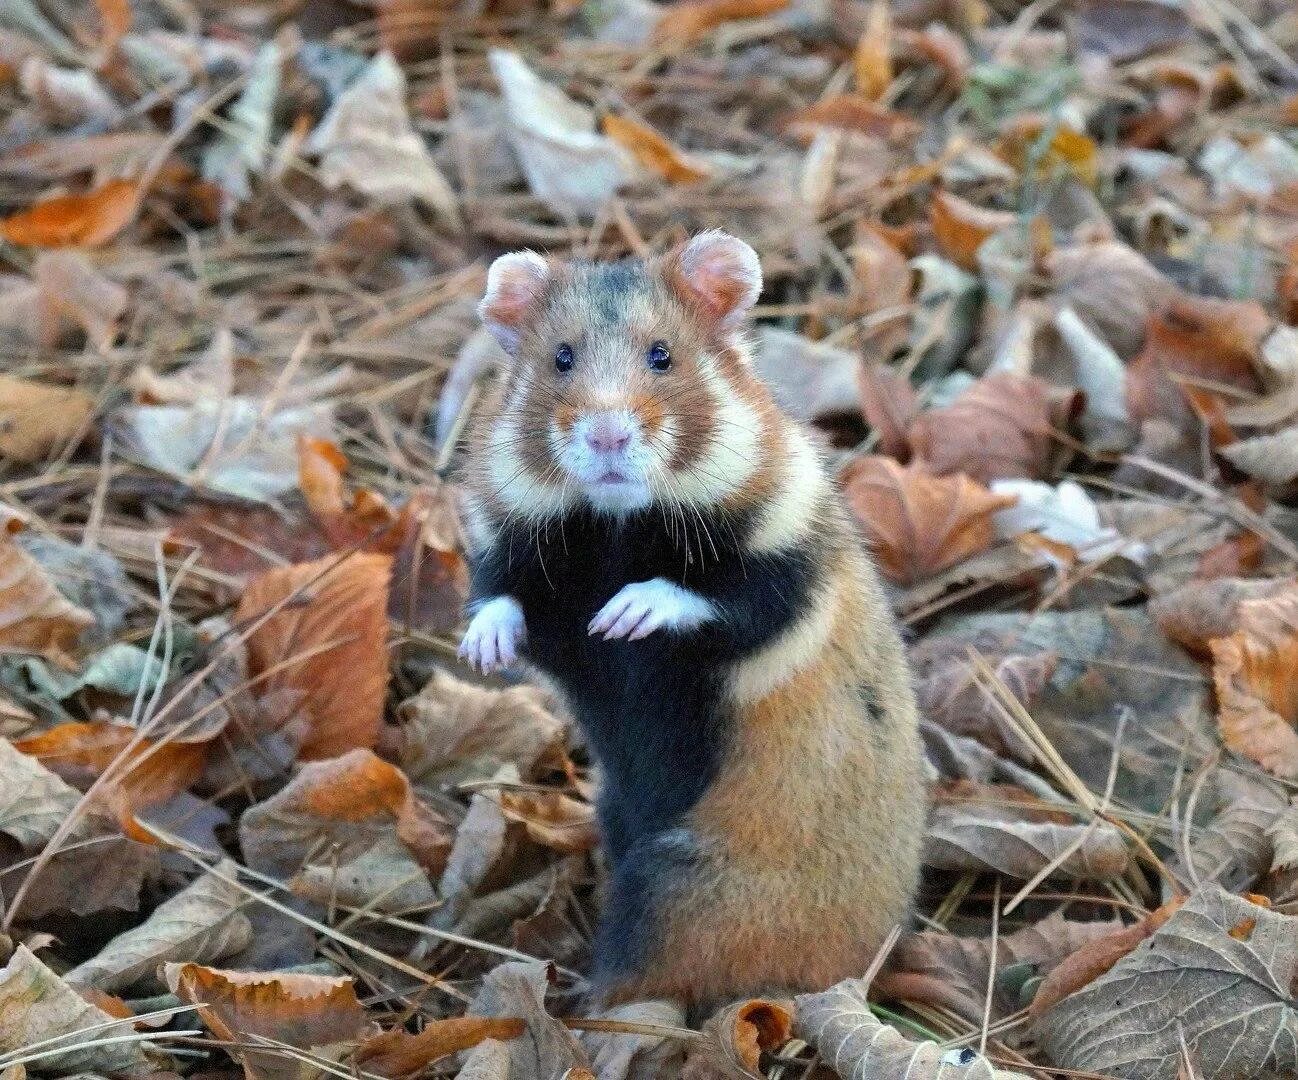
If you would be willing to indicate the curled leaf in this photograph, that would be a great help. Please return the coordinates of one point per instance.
(88, 220)
(653, 151)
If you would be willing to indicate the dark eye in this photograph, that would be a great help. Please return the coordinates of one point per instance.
(563, 357)
(659, 357)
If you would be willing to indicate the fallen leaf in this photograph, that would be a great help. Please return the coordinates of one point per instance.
(849, 112)
(36, 1006)
(1193, 988)
(115, 16)
(1100, 375)
(1273, 459)
(329, 641)
(200, 924)
(735, 1037)
(67, 96)
(618, 1056)
(872, 59)
(841, 1027)
(241, 148)
(1091, 960)
(1125, 30)
(384, 877)
(304, 1011)
(1233, 849)
(684, 23)
(71, 292)
(1049, 148)
(345, 806)
(367, 141)
(889, 403)
(489, 1060)
(653, 151)
(1283, 834)
(88, 220)
(983, 838)
(960, 227)
(808, 379)
(37, 419)
(484, 842)
(1000, 428)
(568, 164)
(1065, 515)
(917, 523)
(1277, 368)
(516, 990)
(1195, 338)
(1255, 671)
(951, 971)
(453, 730)
(553, 819)
(34, 616)
(397, 1053)
(1202, 610)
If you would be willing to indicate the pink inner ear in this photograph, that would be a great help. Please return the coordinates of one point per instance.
(514, 283)
(722, 273)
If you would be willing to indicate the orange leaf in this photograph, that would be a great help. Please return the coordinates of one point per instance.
(999, 428)
(873, 57)
(87, 220)
(1255, 671)
(687, 22)
(1029, 141)
(154, 771)
(850, 112)
(320, 466)
(919, 524)
(960, 227)
(36, 418)
(34, 616)
(652, 150)
(397, 1053)
(328, 641)
(736, 1037)
(116, 18)
(553, 819)
(1198, 338)
(304, 1011)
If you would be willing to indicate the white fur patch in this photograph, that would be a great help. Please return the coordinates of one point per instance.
(495, 632)
(637, 610)
(791, 513)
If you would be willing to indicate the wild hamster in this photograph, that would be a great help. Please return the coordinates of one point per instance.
(652, 534)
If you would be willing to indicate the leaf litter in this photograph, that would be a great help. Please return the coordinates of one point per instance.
(1030, 280)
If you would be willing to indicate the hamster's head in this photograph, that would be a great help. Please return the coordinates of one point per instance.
(628, 386)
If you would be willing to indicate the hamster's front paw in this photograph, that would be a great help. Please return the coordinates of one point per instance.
(645, 606)
(494, 634)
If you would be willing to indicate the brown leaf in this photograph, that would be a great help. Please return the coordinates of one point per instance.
(960, 227)
(1255, 671)
(684, 23)
(345, 805)
(1065, 150)
(553, 819)
(305, 1011)
(735, 1038)
(890, 404)
(115, 17)
(88, 220)
(34, 616)
(917, 523)
(517, 990)
(70, 291)
(849, 112)
(872, 60)
(320, 475)
(155, 770)
(627, 1056)
(1000, 428)
(397, 1053)
(1196, 338)
(453, 730)
(653, 151)
(36, 419)
(951, 971)
(330, 641)
(1202, 610)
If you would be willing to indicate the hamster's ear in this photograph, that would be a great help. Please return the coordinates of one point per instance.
(721, 274)
(514, 283)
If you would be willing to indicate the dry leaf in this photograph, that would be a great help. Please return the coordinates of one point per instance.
(368, 142)
(872, 60)
(1000, 428)
(453, 730)
(553, 819)
(1273, 459)
(652, 151)
(517, 990)
(37, 419)
(397, 1053)
(1194, 986)
(34, 616)
(241, 149)
(1051, 148)
(36, 1005)
(617, 1056)
(850, 112)
(70, 291)
(1202, 610)
(200, 924)
(890, 404)
(841, 1027)
(328, 642)
(1255, 671)
(1093, 959)
(67, 96)
(807, 379)
(684, 23)
(88, 220)
(735, 1038)
(344, 806)
(1125, 30)
(305, 1011)
(919, 524)
(960, 227)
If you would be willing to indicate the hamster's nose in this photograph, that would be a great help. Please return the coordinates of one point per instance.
(608, 436)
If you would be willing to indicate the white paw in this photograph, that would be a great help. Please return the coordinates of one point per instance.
(494, 634)
(639, 609)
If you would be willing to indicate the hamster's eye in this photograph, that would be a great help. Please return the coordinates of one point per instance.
(563, 357)
(659, 357)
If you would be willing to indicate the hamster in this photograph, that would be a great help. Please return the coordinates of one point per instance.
(650, 533)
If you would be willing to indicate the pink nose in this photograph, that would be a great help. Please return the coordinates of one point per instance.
(607, 438)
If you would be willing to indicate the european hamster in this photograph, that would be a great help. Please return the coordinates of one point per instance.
(657, 539)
